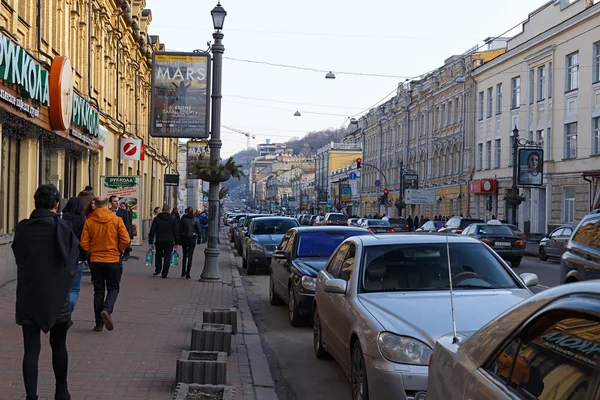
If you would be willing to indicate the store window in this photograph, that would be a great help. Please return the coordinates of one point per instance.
(71, 174)
(9, 188)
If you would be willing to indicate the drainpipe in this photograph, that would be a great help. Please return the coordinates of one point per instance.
(89, 55)
(39, 32)
(117, 102)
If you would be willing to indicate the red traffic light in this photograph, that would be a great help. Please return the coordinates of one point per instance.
(358, 162)
(385, 191)
(358, 159)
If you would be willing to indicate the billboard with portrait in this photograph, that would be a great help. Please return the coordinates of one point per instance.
(196, 151)
(180, 102)
(531, 167)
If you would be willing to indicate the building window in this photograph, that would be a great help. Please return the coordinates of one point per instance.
(456, 108)
(571, 140)
(498, 152)
(456, 162)
(568, 205)
(490, 102)
(539, 137)
(480, 105)
(443, 115)
(499, 98)
(450, 112)
(541, 82)
(488, 154)
(550, 80)
(515, 92)
(480, 156)
(531, 85)
(596, 136)
(572, 82)
(596, 76)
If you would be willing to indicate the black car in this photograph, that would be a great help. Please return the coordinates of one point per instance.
(581, 259)
(296, 263)
(399, 224)
(501, 238)
(458, 224)
(335, 219)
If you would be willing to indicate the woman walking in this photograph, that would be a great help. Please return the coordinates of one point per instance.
(73, 213)
(46, 252)
(189, 235)
(90, 209)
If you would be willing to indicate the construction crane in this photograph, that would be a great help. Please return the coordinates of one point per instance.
(247, 134)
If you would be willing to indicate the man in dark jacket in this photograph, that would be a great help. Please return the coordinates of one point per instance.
(46, 251)
(127, 218)
(189, 236)
(73, 212)
(203, 219)
(165, 229)
(86, 196)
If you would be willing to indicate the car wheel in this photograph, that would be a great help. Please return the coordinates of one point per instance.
(244, 262)
(515, 263)
(273, 298)
(293, 311)
(358, 375)
(239, 250)
(320, 351)
(542, 254)
(250, 268)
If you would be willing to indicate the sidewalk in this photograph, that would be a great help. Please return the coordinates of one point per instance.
(153, 319)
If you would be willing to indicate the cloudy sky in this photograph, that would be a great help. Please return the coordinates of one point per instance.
(394, 38)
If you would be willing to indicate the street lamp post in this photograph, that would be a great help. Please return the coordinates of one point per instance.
(515, 189)
(401, 195)
(211, 253)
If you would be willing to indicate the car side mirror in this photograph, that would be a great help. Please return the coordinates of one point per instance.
(530, 279)
(281, 255)
(335, 286)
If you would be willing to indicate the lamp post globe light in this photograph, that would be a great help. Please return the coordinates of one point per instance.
(210, 271)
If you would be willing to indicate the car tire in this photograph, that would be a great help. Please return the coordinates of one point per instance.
(320, 351)
(274, 299)
(358, 374)
(250, 269)
(296, 319)
(515, 262)
(542, 254)
(244, 262)
(239, 250)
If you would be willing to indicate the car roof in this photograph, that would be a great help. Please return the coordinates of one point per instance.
(305, 229)
(272, 217)
(415, 238)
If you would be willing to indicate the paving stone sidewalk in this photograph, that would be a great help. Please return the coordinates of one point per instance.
(153, 319)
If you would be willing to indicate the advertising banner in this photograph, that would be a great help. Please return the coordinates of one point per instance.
(531, 167)
(131, 149)
(196, 151)
(411, 181)
(345, 194)
(129, 190)
(180, 102)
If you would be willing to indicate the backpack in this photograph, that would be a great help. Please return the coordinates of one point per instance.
(203, 219)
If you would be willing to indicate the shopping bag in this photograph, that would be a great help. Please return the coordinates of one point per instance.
(150, 257)
(174, 258)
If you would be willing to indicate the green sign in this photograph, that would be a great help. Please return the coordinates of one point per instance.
(119, 182)
(17, 67)
(85, 116)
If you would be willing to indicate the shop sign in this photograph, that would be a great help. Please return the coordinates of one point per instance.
(84, 138)
(483, 186)
(102, 135)
(129, 190)
(85, 116)
(20, 104)
(17, 67)
(131, 149)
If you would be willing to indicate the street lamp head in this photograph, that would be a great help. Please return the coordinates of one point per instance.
(516, 131)
(218, 16)
(297, 114)
(330, 75)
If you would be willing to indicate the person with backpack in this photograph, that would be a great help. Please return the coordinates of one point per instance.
(203, 219)
(189, 236)
(166, 231)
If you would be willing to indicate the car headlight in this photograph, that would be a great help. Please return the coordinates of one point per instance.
(403, 350)
(256, 247)
(309, 283)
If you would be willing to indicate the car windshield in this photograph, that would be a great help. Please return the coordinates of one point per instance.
(396, 221)
(337, 217)
(377, 222)
(421, 267)
(322, 244)
(268, 226)
(493, 230)
(466, 222)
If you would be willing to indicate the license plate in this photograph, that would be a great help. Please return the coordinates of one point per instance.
(503, 244)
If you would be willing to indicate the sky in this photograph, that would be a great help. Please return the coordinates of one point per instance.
(396, 38)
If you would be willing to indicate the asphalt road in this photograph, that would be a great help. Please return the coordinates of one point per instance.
(297, 372)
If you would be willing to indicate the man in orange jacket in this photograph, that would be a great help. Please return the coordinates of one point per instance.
(105, 237)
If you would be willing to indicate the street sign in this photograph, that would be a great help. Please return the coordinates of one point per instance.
(377, 183)
(246, 171)
(411, 181)
(424, 197)
(171, 180)
(329, 203)
(204, 198)
(352, 175)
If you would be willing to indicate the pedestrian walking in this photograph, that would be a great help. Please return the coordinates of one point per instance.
(164, 235)
(416, 222)
(105, 238)
(90, 208)
(189, 235)
(175, 213)
(86, 196)
(73, 213)
(203, 219)
(157, 211)
(127, 220)
(410, 223)
(46, 252)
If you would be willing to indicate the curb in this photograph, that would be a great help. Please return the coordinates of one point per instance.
(263, 383)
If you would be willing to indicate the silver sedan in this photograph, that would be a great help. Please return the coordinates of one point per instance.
(382, 301)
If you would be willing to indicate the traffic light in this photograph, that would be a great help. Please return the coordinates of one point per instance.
(385, 195)
(358, 162)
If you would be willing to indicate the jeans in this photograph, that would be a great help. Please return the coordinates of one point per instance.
(76, 285)
(188, 256)
(32, 345)
(163, 257)
(204, 230)
(106, 278)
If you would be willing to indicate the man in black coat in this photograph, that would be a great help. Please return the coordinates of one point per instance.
(127, 218)
(166, 231)
(46, 252)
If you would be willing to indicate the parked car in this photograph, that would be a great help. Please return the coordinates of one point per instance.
(319, 220)
(297, 261)
(238, 234)
(244, 230)
(305, 221)
(312, 220)
(335, 219)
(554, 245)
(380, 305)
(227, 217)
(377, 226)
(581, 259)
(262, 238)
(353, 221)
(458, 224)
(544, 348)
(431, 226)
(500, 238)
(232, 225)
(399, 224)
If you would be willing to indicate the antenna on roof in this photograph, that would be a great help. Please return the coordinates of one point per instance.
(454, 336)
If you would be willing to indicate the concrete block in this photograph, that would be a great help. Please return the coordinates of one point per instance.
(205, 367)
(211, 337)
(185, 391)
(227, 316)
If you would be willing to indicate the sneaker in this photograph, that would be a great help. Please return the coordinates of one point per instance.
(98, 328)
(107, 321)
(155, 273)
